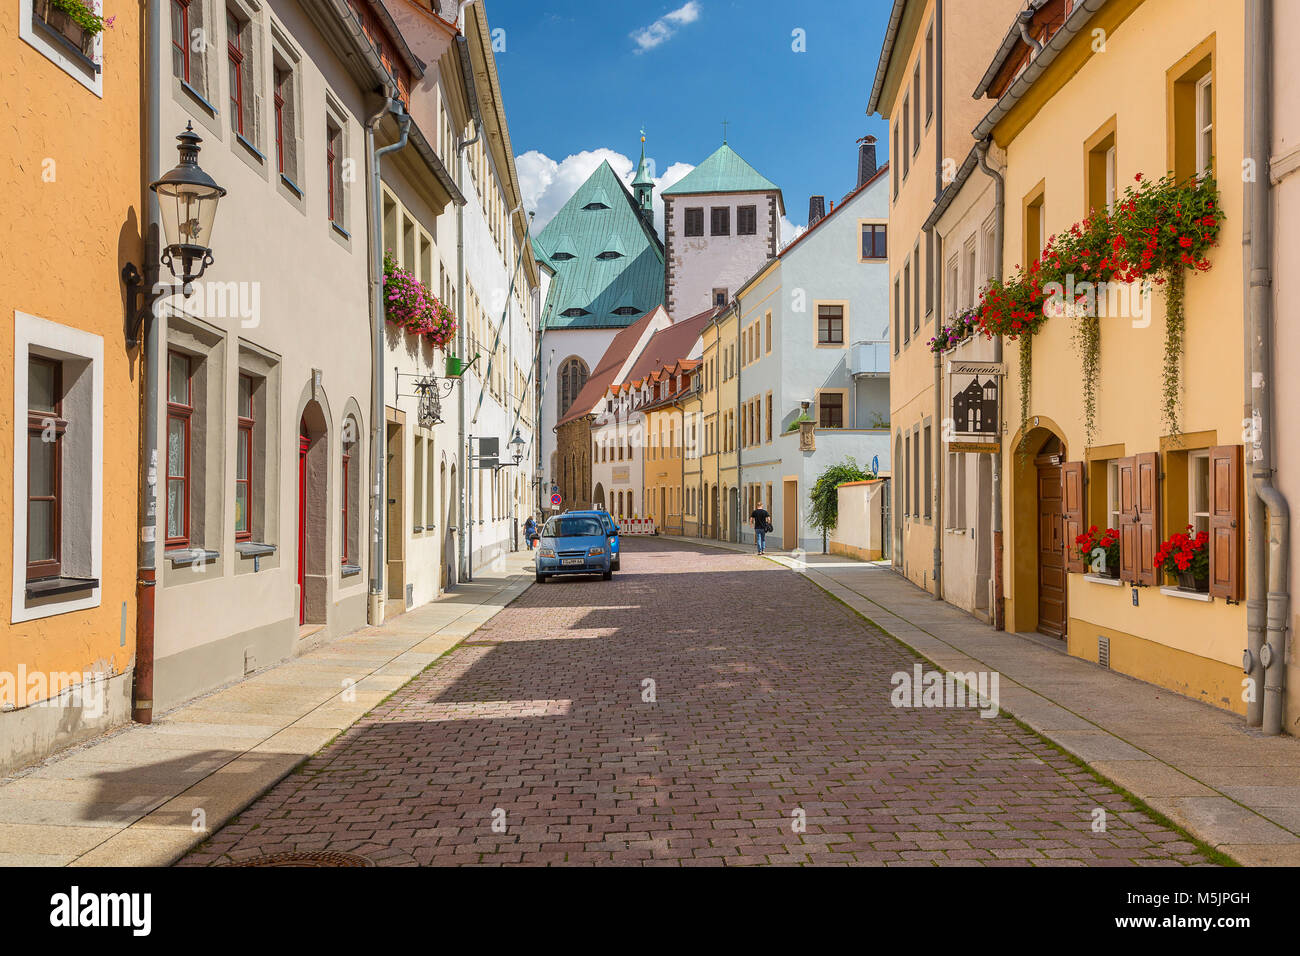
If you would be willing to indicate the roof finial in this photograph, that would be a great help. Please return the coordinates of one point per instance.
(725, 124)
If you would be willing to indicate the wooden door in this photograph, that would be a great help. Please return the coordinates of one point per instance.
(304, 444)
(1051, 552)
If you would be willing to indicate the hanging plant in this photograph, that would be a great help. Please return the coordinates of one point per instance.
(950, 336)
(1167, 227)
(410, 305)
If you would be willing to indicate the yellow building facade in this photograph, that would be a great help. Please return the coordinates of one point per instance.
(1166, 95)
(72, 211)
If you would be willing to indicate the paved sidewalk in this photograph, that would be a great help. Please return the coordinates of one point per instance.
(1202, 767)
(144, 795)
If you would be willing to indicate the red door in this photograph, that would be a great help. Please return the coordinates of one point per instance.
(303, 443)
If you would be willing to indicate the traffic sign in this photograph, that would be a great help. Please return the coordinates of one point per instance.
(555, 501)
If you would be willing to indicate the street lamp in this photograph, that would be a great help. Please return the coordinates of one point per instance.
(187, 206)
(187, 201)
(516, 447)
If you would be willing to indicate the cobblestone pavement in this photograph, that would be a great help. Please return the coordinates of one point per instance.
(533, 742)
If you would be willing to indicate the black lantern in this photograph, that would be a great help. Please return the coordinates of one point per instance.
(187, 202)
(516, 447)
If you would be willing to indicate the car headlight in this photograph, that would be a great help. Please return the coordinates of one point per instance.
(546, 553)
(595, 550)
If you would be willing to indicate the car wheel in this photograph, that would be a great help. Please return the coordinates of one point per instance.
(615, 565)
(607, 575)
(541, 578)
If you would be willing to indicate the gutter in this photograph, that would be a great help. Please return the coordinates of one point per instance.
(1074, 25)
(886, 49)
(999, 213)
(1267, 513)
(936, 296)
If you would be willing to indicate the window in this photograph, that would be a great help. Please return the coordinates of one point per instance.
(1198, 490)
(719, 297)
(907, 302)
(897, 297)
(1204, 125)
(720, 221)
(767, 332)
(873, 241)
(830, 325)
(573, 376)
(1100, 169)
(334, 172)
(916, 107)
(929, 477)
(181, 39)
(894, 139)
(907, 485)
(180, 410)
(1112, 494)
(768, 423)
(916, 288)
(968, 286)
(244, 461)
(346, 489)
(45, 430)
(929, 74)
(746, 220)
(238, 72)
(907, 153)
(830, 410)
(694, 221)
(281, 81)
(1034, 225)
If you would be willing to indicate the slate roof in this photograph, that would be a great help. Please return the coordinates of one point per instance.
(632, 280)
(722, 172)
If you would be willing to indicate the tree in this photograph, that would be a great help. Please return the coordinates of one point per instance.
(824, 496)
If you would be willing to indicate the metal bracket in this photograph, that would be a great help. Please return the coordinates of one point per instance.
(430, 390)
(140, 294)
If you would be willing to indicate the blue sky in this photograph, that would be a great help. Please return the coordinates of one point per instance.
(581, 77)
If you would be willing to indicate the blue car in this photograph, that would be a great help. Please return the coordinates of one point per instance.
(611, 530)
(574, 543)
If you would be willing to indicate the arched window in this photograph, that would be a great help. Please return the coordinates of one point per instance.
(573, 375)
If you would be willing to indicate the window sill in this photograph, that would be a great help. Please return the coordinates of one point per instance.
(50, 587)
(256, 153)
(212, 110)
(341, 231)
(1202, 596)
(291, 185)
(351, 570)
(182, 557)
(1101, 579)
(254, 549)
(50, 34)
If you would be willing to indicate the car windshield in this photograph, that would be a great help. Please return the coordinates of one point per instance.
(572, 526)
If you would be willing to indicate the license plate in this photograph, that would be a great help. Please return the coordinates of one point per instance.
(573, 561)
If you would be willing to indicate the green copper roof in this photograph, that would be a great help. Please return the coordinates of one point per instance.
(595, 292)
(723, 172)
(643, 169)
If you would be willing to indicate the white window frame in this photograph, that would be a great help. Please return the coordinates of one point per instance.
(1198, 460)
(68, 344)
(1110, 179)
(1112, 494)
(1204, 123)
(57, 55)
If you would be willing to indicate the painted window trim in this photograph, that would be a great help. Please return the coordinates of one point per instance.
(845, 326)
(54, 339)
(61, 55)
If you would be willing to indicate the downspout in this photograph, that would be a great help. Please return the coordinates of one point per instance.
(999, 222)
(147, 573)
(1023, 19)
(463, 547)
(378, 488)
(940, 459)
(1267, 509)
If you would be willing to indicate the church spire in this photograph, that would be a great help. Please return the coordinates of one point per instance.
(643, 186)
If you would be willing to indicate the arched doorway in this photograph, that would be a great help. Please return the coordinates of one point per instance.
(715, 531)
(598, 496)
(450, 495)
(314, 567)
(1040, 583)
(733, 514)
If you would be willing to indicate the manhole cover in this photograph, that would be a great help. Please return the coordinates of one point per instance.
(316, 858)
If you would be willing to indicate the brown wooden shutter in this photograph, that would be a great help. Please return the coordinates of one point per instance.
(1128, 528)
(1225, 522)
(1072, 513)
(1146, 473)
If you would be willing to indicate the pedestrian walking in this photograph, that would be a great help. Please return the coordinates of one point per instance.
(530, 531)
(762, 523)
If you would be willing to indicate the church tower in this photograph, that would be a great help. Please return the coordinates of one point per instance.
(643, 188)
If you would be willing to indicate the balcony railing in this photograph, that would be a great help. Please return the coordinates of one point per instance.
(869, 358)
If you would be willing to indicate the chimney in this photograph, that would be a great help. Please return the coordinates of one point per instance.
(816, 209)
(866, 158)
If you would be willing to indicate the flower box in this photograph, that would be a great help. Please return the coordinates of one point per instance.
(57, 18)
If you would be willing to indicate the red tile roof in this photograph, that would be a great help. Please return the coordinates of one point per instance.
(670, 345)
(603, 376)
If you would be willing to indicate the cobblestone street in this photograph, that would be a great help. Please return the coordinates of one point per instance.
(534, 742)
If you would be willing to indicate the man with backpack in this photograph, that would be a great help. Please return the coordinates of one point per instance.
(762, 523)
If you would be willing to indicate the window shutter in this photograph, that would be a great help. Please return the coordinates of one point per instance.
(1225, 522)
(1128, 549)
(1072, 514)
(1146, 474)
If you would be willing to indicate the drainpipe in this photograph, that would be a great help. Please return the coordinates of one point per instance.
(378, 488)
(999, 208)
(147, 573)
(940, 459)
(1267, 512)
(463, 554)
(1023, 19)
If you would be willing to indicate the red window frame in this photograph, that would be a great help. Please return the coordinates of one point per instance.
(279, 117)
(331, 159)
(36, 424)
(181, 8)
(182, 413)
(235, 55)
(245, 438)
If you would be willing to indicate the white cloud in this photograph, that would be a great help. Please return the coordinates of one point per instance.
(647, 38)
(547, 184)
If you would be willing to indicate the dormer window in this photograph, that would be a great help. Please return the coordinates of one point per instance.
(610, 254)
(574, 313)
(595, 205)
(627, 310)
(563, 256)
